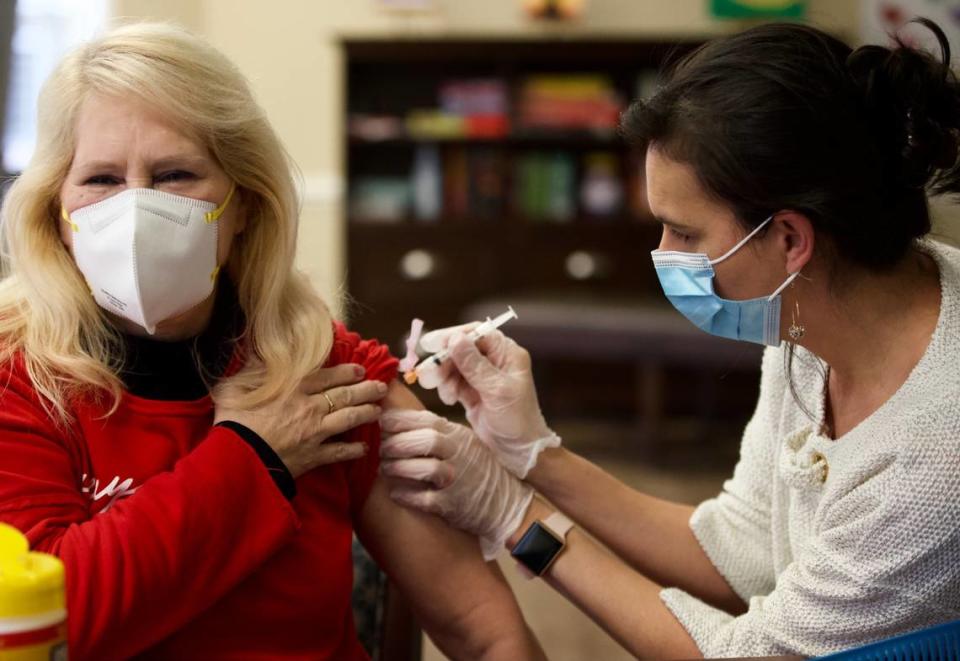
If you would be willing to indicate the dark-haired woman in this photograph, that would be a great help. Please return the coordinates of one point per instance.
(790, 174)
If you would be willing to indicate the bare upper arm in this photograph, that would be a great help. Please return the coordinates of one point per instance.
(401, 397)
(409, 544)
(440, 569)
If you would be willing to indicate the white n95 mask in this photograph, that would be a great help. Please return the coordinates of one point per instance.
(147, 255)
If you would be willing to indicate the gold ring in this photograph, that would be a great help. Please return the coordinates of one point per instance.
(329, 401)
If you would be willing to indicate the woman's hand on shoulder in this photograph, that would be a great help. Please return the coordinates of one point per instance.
(328, 402)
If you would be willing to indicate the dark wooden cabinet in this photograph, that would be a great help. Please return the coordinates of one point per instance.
(470, 263)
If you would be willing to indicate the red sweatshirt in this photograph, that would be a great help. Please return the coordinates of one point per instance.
(177, 542)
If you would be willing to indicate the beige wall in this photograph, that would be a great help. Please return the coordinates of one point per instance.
(288, 49)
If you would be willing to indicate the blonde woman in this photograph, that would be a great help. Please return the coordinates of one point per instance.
(181, 421)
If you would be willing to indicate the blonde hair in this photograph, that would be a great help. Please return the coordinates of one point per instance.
(47, 315)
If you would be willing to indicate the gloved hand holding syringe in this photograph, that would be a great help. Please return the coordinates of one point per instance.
(411, 373)
(491, 377)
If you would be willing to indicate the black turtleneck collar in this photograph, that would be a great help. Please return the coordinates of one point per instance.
(172, 370)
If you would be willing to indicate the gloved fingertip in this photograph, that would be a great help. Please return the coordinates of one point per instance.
(386, 464)
(393, 414)
(387, 423)
(390, 451)
(429, 377)
(400, 420)
(433, 341)
(447, 391)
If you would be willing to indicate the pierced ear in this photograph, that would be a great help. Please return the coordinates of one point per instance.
(798, 239)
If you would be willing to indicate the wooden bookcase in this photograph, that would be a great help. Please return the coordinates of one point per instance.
(468, 258)
(446, 269)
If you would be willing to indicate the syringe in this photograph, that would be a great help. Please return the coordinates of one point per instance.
(483, 329)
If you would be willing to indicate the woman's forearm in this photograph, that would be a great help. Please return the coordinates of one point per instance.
(623, 602)
(650, 534)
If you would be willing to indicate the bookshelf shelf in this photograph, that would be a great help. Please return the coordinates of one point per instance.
(445, 224)
(512, 141)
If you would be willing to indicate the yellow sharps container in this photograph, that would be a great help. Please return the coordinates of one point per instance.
(33, 615)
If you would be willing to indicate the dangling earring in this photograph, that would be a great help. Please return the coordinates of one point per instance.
(796, 330)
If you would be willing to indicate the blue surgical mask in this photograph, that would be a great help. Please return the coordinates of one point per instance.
(687, 281)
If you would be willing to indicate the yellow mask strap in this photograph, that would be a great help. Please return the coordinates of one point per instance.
(66, 217)
(214, 216)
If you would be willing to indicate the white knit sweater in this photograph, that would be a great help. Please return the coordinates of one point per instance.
(836, 543)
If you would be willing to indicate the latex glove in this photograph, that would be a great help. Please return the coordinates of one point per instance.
(493, 380)
(444, 469)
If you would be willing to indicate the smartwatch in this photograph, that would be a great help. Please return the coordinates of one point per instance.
(542, 543)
